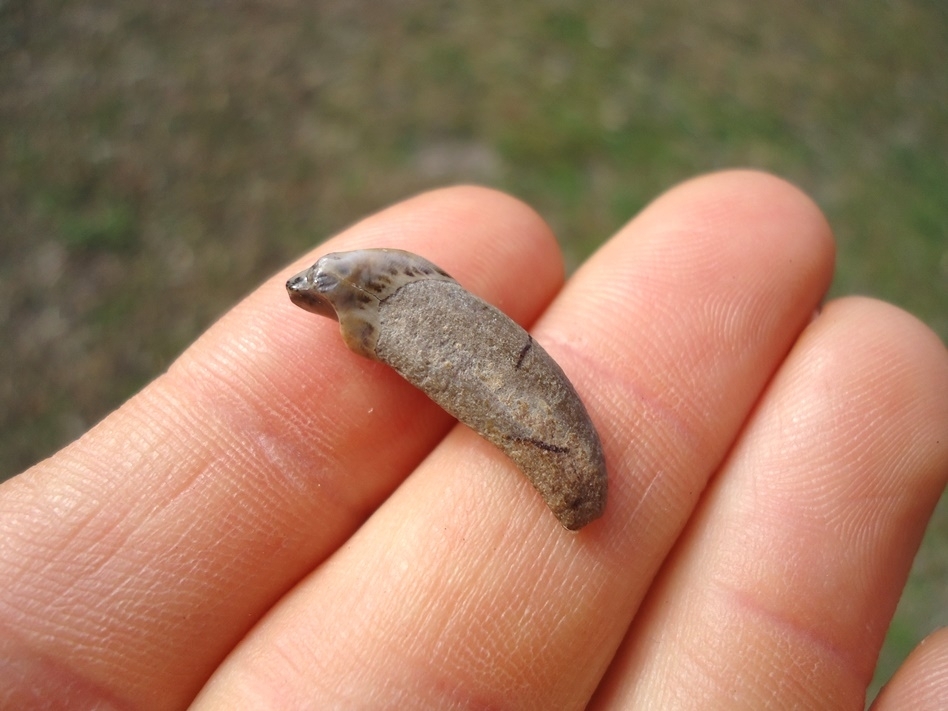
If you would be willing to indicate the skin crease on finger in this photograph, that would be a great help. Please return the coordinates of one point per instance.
(715, 280)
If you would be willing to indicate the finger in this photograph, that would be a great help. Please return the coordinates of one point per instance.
(158, 539)
(462, 589)
(921, 683)
(786, 580)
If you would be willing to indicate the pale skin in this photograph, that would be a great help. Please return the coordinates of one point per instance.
(276, 523)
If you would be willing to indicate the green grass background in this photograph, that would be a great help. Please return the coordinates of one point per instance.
(160, 159)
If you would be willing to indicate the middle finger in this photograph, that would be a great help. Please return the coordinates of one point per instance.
(462, 588)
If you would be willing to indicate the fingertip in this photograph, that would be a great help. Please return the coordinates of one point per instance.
(772, 206)
(479, 235)
(922, 680)
(901, 363)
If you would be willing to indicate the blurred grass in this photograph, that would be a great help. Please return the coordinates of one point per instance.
(160, 159)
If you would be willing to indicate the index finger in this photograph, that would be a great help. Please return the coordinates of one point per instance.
(157, 540)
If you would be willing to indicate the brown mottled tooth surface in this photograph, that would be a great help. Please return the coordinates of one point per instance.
(471, 359)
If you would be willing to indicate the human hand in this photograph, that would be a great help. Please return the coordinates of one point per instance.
(278, 523)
